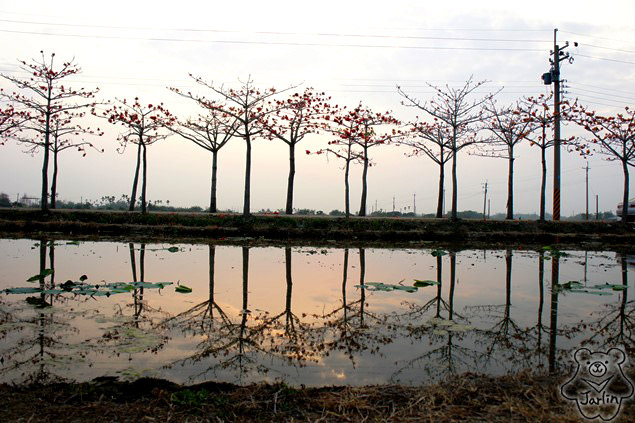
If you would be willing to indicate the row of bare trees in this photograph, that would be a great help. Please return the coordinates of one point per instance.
(43, 113)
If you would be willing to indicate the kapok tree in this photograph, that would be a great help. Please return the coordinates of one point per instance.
(248, 106)
(343, 127)
(65, 134)
(509, 126)
(366, 134)
(144, 126)
(211, 132)
(455, 108)
(43, 96)
(613, 137)
(291, 120)
(431, 140)
(11, 121)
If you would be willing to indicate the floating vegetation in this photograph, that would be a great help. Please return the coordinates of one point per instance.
(379, 286)
(610, 286)
(578, 287)
(438, 252)
(93, 290)
(44, 273)
(183, 289)
(424, 283)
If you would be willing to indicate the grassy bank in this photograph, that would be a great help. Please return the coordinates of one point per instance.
(324, 228)
(522, 398)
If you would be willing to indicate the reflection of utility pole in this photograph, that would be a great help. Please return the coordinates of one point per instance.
(484, 199)
(587, 190)
(597, 210)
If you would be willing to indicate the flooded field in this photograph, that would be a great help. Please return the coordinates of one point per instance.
(303, 315)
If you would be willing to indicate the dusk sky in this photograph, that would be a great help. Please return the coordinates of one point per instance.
(354, 51)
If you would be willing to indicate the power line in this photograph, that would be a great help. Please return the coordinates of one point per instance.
(601, 93)
(281, 43)
(601, 98)
(320, 34)
(597, 38)
(602, 88)
(604, 58)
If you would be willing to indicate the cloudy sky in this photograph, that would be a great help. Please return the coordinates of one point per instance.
(353, 50)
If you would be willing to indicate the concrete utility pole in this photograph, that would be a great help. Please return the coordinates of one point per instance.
(597, 208)
(587, 190)
(548, 78)
(393, 203)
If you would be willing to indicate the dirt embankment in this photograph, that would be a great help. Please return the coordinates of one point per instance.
(522, 398)
(311, 228)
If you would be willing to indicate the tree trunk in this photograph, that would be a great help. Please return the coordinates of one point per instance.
(144, 183)
(625, 203)
(441, 183)
(212, 199)
(454, 187)
(362, 206)
(287, 263)
(45, 164)
(246, 204)
(289, 208)
(135, 182)
(54, 180)
(212, 257)
(510, 187)
(347, 205)
(543, 183)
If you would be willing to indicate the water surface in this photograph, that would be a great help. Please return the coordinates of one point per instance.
(304, 315)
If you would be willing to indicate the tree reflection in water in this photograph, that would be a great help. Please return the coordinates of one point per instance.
(42, 349)
(615, 326)
(446, 356)
(351, 328)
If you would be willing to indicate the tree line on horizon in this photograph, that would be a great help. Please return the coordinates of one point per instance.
(46, 114)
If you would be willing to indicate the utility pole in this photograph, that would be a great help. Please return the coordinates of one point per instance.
(597, 209)
(554, 76)
(587, 190)
(484, 199)
(488, 201)
(393, 203)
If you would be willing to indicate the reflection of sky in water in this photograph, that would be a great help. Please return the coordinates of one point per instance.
(81, 337)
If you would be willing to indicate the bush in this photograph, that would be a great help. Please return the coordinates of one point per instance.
(4, 200)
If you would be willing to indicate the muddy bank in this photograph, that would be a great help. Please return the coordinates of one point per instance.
(320, 229)
(522, 398)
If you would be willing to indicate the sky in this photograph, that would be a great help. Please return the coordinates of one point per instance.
(354, 51)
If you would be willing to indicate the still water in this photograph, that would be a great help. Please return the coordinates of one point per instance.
(303, 315)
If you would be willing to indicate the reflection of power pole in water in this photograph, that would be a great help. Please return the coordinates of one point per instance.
(344, 277)
(553, 322)
(452, 283)
(362, 274)
(541, 299)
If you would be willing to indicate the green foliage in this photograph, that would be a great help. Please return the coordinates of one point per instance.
(44, 273)
(4, 200)
(190, 398)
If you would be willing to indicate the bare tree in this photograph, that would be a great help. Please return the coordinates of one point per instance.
(453, 107)
(431, 140)
(248, 106)
(43, 96)
(210, 132)
(509, 127)
(537, 109)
